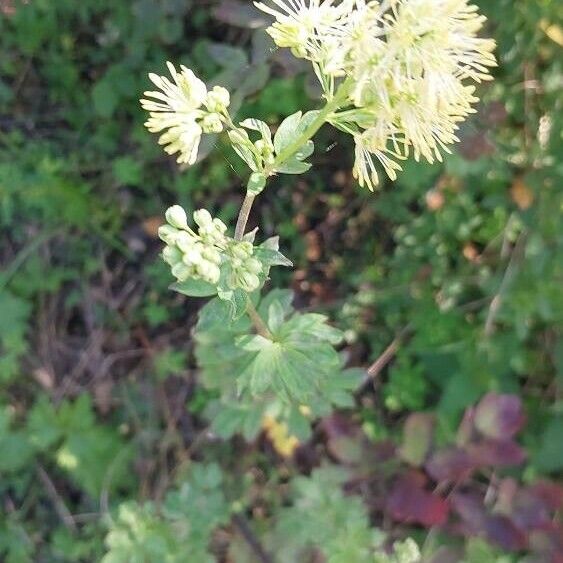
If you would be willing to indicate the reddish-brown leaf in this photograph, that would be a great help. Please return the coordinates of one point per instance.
(450, 464)
(409, 501)
(496, 452)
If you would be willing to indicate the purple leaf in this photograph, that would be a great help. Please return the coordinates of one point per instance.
(496, 528)
(410, 502)
(450, 464)
(499, 416)
(496, 452)
(548, 542)
(550, 493)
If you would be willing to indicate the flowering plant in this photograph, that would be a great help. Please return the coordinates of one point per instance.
(398, 76)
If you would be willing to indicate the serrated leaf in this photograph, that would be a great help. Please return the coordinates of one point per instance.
(296, 364)
(270, 257)
(276, 315)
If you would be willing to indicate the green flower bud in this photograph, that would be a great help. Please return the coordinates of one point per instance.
(212, 123)
(253, 266)
(185, 241)
(219, 226)
(239, 137)
(182, 272)
(248, 281)
(218, 99)
(212, 255)
(203, 218)
(171, 255)
(168, 234)
(209, 272)
(177, 217)
(193, 256)
(264, 148)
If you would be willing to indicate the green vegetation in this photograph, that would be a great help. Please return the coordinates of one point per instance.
(120, 436)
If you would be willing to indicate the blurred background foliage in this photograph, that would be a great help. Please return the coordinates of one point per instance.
(451, 279)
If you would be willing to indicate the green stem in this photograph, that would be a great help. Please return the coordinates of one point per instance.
(310, 131)
(289, 151)
(257, 321)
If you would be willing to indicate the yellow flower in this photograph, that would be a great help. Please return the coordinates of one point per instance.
(278, 434)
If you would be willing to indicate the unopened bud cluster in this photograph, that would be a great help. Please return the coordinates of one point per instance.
(200, 255)
(244, 267)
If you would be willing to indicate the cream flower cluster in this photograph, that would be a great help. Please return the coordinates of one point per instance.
(184, 110)
(200, 255)
(407, 66)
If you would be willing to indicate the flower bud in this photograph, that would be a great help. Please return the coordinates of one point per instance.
(203, 218)
(177, 217)
(168, 234)
(219, 226)
(209, 272)
(240, 251)
(193, 256)
(218, 99)
(265, 149)
(253, 266)
(184, 241)
(181, 271)
(212, 255)
(212, 123)
(171, 255)
(239, 137)
(248, 281)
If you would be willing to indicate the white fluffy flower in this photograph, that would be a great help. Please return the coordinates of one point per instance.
(306, 26)
(407, 64)
(175, 107)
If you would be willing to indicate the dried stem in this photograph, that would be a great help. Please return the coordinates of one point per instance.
(243, 215)
(247, 533)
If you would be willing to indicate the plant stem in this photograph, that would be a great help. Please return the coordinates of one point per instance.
(243, 215)
(310, 131)
(289, 151)
(257, 321)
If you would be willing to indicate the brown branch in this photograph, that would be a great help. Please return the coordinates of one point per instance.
(240, 522)
(388, 354)
(60, 507)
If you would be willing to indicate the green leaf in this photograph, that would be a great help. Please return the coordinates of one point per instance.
(105, 97)
(322, 517)
(293, 166)
(194, 288)
(269, 254)
(260, 126)
(237, 300)
(256, 183)
(549, 455)
(16, 450)
(296, 364)
(287, 131)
